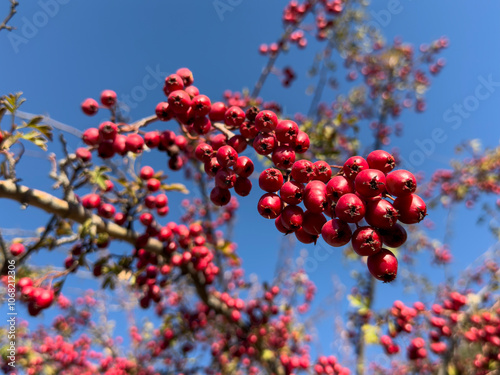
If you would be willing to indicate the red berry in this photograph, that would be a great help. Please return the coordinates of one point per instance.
(227, 156)
(248, 130)
(411, 208)
(107, 210)
(338, 186)
(238, 142)
(164, 112)
(305, 237)
(266, 121)
(264, 143)
(383, 265)
(381, 214)
(91, 136)
(146, 219)
(283, 157)
(286, 131)
(106, 149)
(242, 186)
(350, 208)
(336, 233)
(313, 222)
(234, 116)
(17, 249)
(204, 152)
(172, 83)
(370, 182)
(44, 299)
(353, 166)
(108, 130)
(90, 107)
(291, 217)
(146, 172)
(217, 141)
(270, 206)
(279, 225)
(152, 139)
(167, 139)
(323, 171)
(302, 142)
(292, 192)
(217, 112)
(83, 154)
(244, 166)
(315, 196)
(192, 91)
(187, 76)
(120, 144)
(220, 197)
(394, 237)
(225, 179)
(153, 184)
(366, 241)
(201, 105)
(271, 180)
(91, 201)
(212, 167)
(179, 101)
(381, 160)
(303, 171)
(134, 143)
(401, 183)
(108, 98)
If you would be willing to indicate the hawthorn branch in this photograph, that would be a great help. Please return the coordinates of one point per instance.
(13, 11)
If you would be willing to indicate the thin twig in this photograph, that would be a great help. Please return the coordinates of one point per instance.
(13, 6)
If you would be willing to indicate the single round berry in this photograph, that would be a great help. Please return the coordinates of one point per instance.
(370, 182)
(244, 166)
(264, 143)
(146, 219)
(353, 166)
(338, 186)
(323, 171)
(134, 143)
(401, 183)
(286, 131)
(292, 192)
(279, 225)
(153, 184)
(220, 197)
(108, 98)
(186, 75)
(107, 211)
(204, 152)
(17, 249)
(313, 222)
(266, 121)
(302, 142)
(243, 186)
(237, 142)
(146, 172)
(225, 178)
(227, 156)
(283, 157)
(108, 130)
(91, 136)
(90, 107)
(366, 241)
(270, 206)
(106, 149)
(411, 208)
(217, 112)
(248, 130)
(303, 171)
(381, 214)
(212, 167)
(394, 237)
(83, 154)
(179, 101)
(45, 298)
(304, 237)
(234, 117)
(383, 265)
(172, 83)
(381, 160)
(120, 144)
(91, 201)
(350, 208)
(152, 139)
(271, 180)
(164, 112)
(315, 196)
(336, 233)
(291, 217)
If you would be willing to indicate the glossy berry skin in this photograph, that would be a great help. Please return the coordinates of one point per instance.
(91, 136)
(234, 117)
(292, 217)
(91, 201)
(225, 178)
(204, 152)
(292, 192)
(303, 171)
(227, 156)
(401, 183)
(201, 105)
(283, 157)
(220, 197)
(381, 160)
(381, 214)
(313, 222)
(266, 121)
(153, 184)
(146, 172)
(270, 206)
(243, 186)
(146, 219)
(186, 75)
(383, 265)
(152, 139)
(163, 111)
(411, 208)
(107, 211)
(248, 130)
(17, 249)
(179, 101)
(394, 237)
(108, 98)
(237, 142)
(350, 208)
(44, 299)
(212, 167)
(119, 144)
(338, 186)
(286, 131)
(83, 154)
(336, 233)
(304, 237)
(271, 180)
(302, 142)
(353, 166)
(217, 111)
(323, 171)
(370, 182)
(279, 225)
(134, 143)
(315, 197)
(172, 83)
(244, 166)
(108, 130)
(90, 107)
(264, 143)
(366, 241)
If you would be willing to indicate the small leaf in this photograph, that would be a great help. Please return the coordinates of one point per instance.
(370, 333)
(267, 355)
(175, 187)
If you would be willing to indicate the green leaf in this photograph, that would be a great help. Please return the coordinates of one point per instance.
(98, 176)
(175, 187)
(36, 138)
(12, 102)
(370, 333)
(34, 123)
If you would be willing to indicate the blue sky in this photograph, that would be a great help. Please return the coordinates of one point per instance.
(63, 52)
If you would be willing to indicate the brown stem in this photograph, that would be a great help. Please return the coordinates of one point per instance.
(13, 6)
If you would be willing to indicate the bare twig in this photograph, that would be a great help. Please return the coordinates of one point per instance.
(13, 6)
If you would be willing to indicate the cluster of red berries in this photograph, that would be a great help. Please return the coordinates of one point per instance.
(37, 298)
(354, 194)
